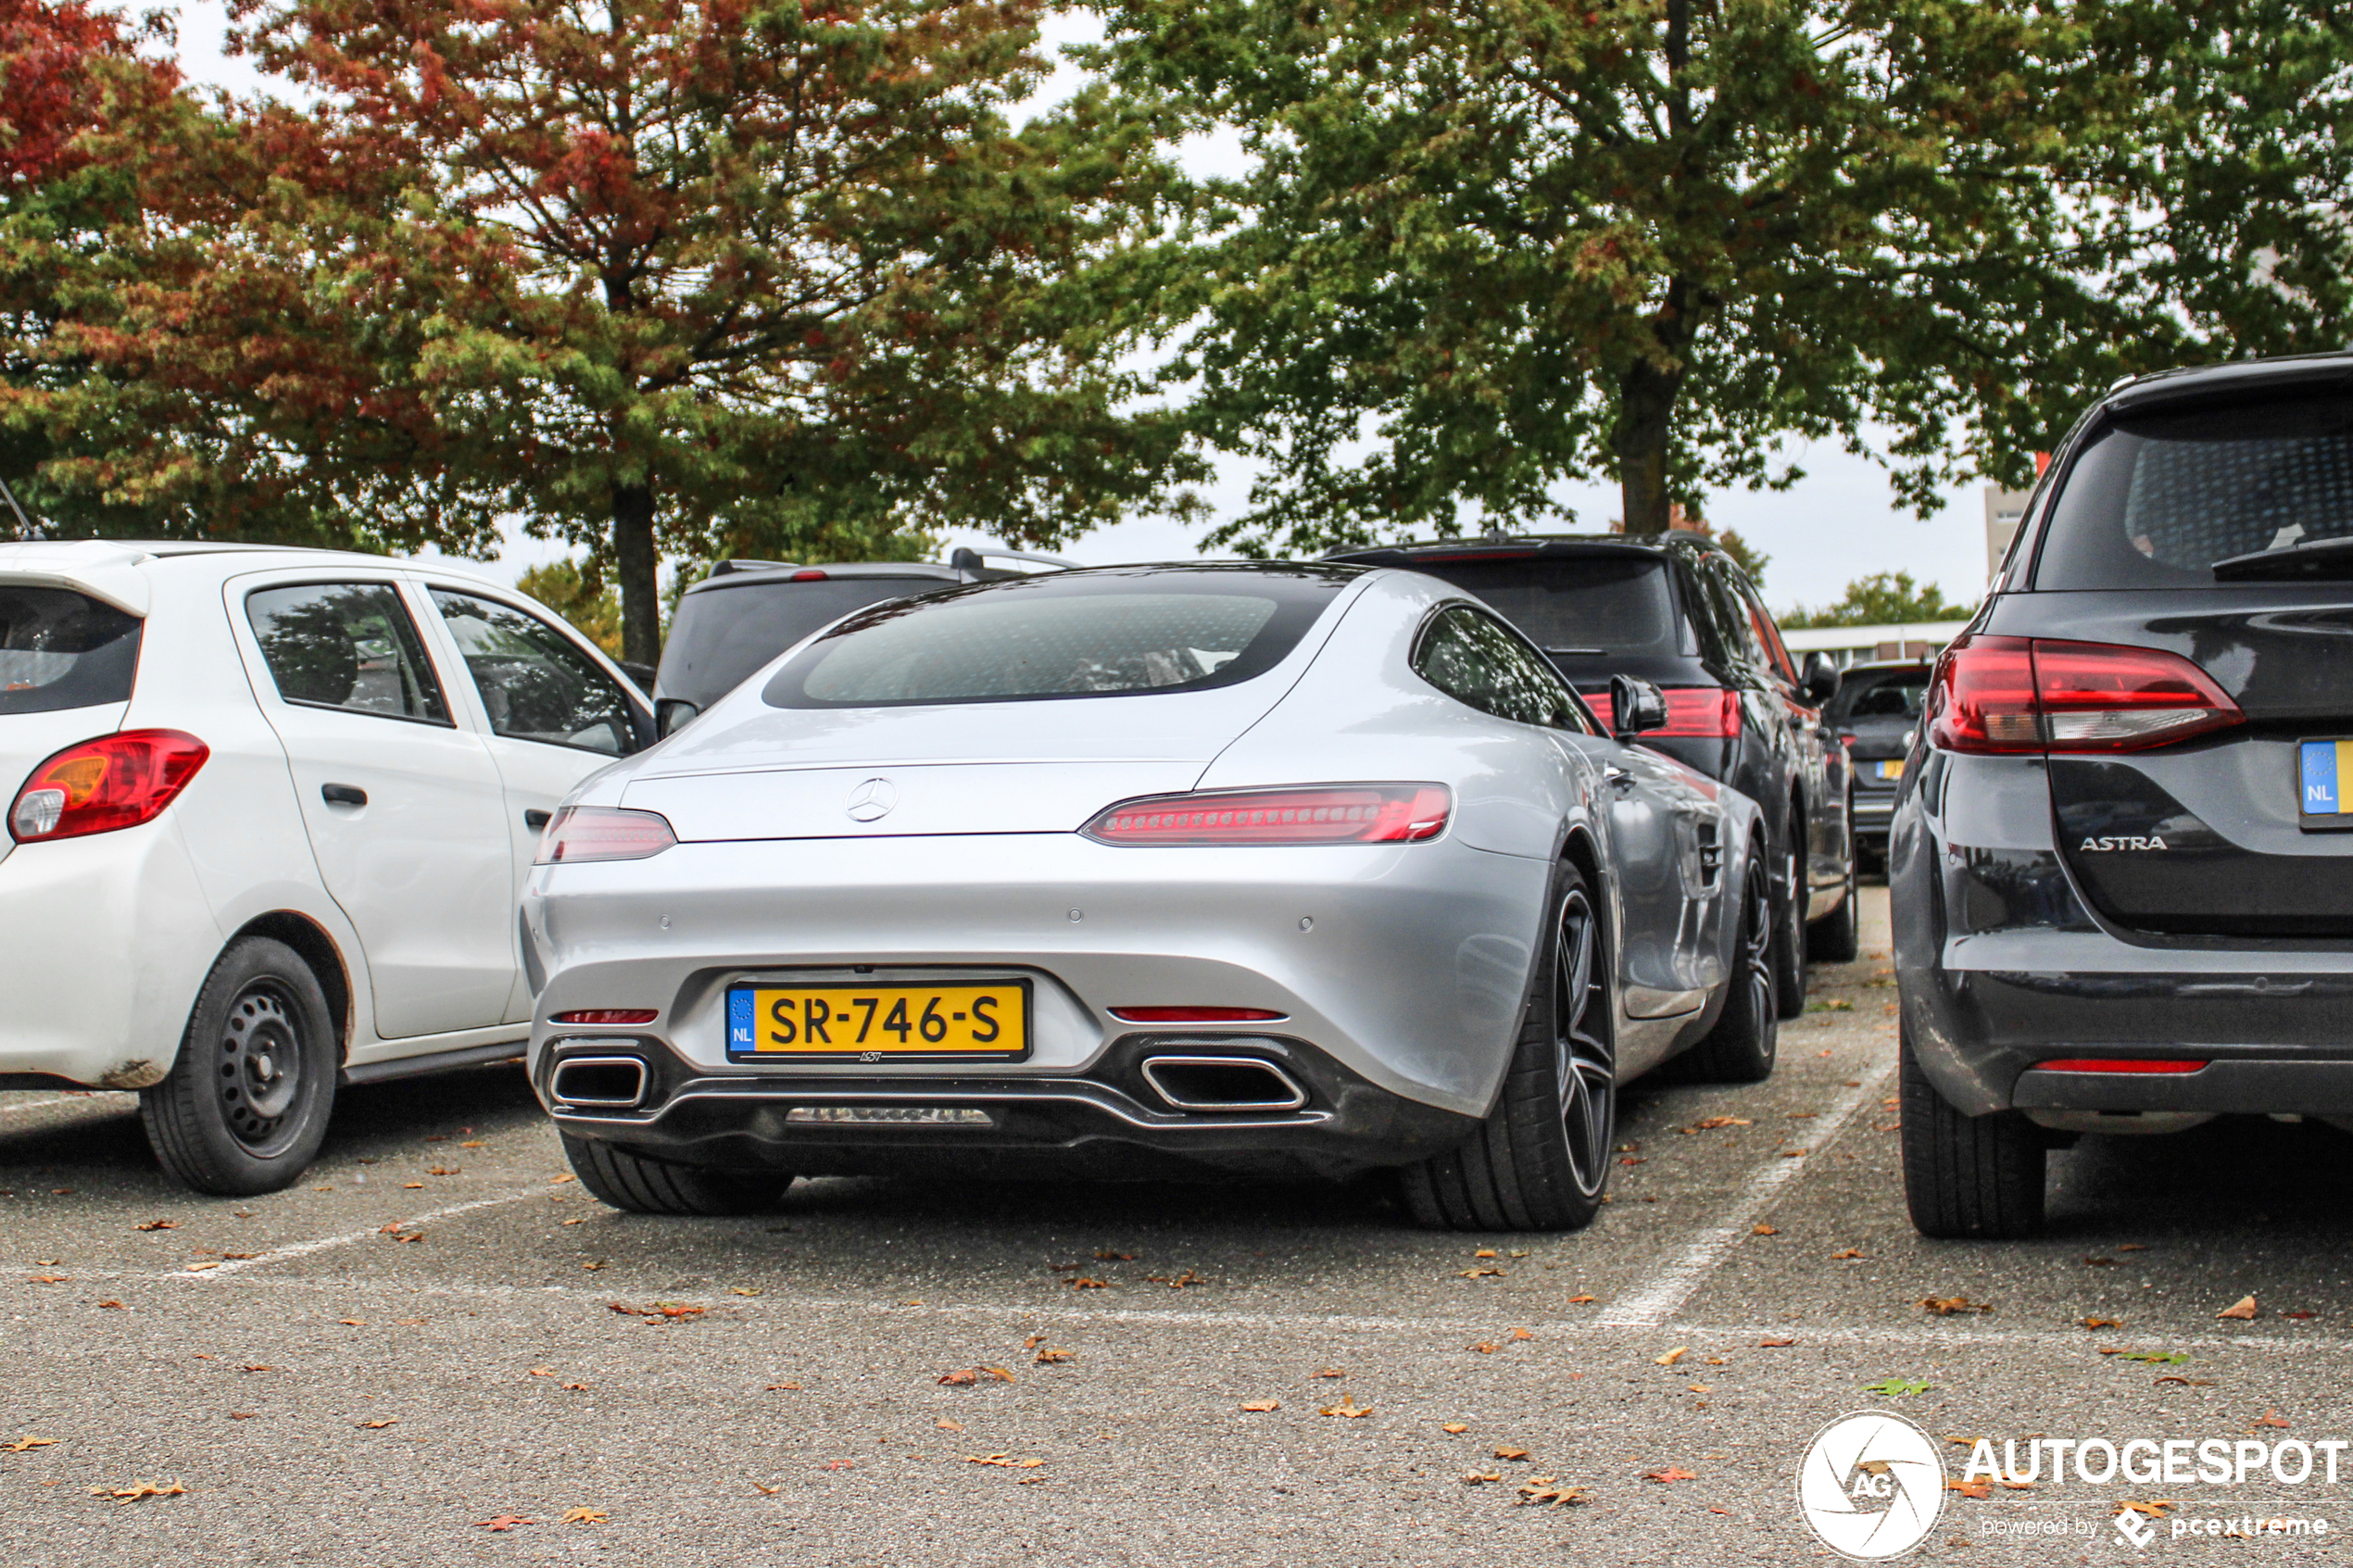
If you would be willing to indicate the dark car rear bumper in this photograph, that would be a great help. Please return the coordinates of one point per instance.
(1108, 1123)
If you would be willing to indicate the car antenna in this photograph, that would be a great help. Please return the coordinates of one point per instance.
(25, 529)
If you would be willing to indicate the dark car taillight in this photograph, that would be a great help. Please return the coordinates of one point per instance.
(1384, 813)
(117, 781)
(1693, 713)
(2043, 693)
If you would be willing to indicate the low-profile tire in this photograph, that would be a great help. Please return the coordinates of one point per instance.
(1789, 935)
(1837, 937)
(626, 1179)
(1540, 1160)
(1966, 1178)
(1745, 1041)
(246, 1104)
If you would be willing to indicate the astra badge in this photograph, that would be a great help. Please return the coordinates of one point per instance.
(2123, 842)
(1870, 1486)
(872, 799)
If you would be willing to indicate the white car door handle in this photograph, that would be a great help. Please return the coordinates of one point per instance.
(343, 795)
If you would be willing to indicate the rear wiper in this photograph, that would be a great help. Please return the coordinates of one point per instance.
(2318, 557)
(1559, 651)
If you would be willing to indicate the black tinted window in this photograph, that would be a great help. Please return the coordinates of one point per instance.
(1597, 604)
(724, 635)
(346, 645)
(1116, 632)
(1476, 661)
(1894, 695)
(59, 650)
(2155, 500)
(535, 683)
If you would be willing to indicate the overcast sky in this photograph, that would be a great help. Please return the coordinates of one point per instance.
(1839, 522)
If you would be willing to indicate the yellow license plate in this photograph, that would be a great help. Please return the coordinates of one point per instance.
(867, 1023)
(1892, 769)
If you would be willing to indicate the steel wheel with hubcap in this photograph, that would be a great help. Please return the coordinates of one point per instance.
(1540, 1160)
(246, 1105)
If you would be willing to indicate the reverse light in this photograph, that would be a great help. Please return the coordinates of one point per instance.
(606, 1015)
(1693, 713)
(118, 781)
(2011, 695)
(1383, 813)
(2119, 1064)
(602, 833)
(1195, 1015)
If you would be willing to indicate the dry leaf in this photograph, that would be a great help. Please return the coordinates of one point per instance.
(1484, 1252)
(838, 1465)
(1510, 1453)
(2099, 1262)
(374, 1425)
(351, 1323)
(741, 1290)
(443, 1170)
(1054, 1357)
(1671, 1357)
(138, 1490)
(193, 1268)
(1330, 1372)
(1003, 1462)
(257, 1369)
(575, 1387)
(1670, 1475)
(470, 1143)
(765, 1491)
(24, 1444)
(1486, 1347)
(1946, 1305)
(1177, 1282)
(947, 1426)
(503, 1522)
(419, 1187)
(2243, 1309)
(1579, 1300)
(1709, 1124)
(782, 1388)
(1541, 1491)
(1348, 1408)
(999, 1374)
(2187, 1382)
(1520, 1333)
(959, 1379)
(541, 1372)
(1481, 1477)
(1083, 1282)
(1481, 1274)
(585, 1516)
(158, 1226)
(559, 1181)
(1775, 1344)
(2102, 1322)
(1762, 1230)
(1970, 1489)
(2270, 1418)
(1114, 1257)
(119, 1306)
(1454, 1427)
(1260, 1407)
(1850, 1252)
(2131, 1247)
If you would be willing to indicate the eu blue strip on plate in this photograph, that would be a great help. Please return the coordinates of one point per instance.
(2321, 759)
(739, 1019)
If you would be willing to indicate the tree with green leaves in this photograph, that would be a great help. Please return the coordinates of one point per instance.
(584, 599)
(1883, 598)
(1487, 246)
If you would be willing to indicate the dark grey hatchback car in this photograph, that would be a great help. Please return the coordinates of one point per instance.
(2122, 885)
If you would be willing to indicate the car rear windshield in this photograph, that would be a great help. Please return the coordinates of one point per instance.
(2158, 499)
(1593, 604)
(723, 635)
(1878, 694)
(1117, 633)
(62, 649)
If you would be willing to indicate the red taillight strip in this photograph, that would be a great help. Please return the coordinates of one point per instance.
(606, 1015)
(2035, 694)
(1195, 1015)
(1693, 713)
(2118, 1064)
(1371, 813)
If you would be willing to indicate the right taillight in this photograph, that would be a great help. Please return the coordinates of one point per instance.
(602, 833)
(118, 781)
(1693, 713)
(2045, 693)
(1382, 814)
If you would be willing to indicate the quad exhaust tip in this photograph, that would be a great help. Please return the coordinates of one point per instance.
(1223, 1083)
(600, 1083)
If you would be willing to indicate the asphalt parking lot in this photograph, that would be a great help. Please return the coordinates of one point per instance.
(438, 1333)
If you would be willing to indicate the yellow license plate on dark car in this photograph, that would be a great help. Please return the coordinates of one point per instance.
(867, 1022)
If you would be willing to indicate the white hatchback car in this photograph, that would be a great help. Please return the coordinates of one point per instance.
(268, 810)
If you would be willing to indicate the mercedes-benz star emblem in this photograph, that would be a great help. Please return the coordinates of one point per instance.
(872, 799)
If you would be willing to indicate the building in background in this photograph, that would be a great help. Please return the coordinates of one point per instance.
(1861, 645)
(2002, 510)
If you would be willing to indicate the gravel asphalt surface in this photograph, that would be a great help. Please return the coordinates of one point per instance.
(438, 1331)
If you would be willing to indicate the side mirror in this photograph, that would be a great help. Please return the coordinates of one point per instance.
(1821, 679)
(1635, 706)
(671, 714)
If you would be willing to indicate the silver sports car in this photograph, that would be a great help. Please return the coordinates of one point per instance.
(1283, 869)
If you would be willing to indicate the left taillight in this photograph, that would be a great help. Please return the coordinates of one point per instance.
(602, 833)
(117, 781)
(1382, 814)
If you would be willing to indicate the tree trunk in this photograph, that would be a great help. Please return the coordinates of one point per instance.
(1645, 413)
(632, 549)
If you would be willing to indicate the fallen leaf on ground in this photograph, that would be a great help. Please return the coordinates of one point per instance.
(1260, 1407)
(444, 1171)
(503, 1522)
(1083, 1282)
(2131, 1247)
(1486, 1347)
(2269, 1418)
(838, 1465)
(1055, 1358)
(1897, 1388)
(1481, 1272)
(117, 1305)
(575, 1387)
(999, 1374)
(1175, 1281)
(1762, 1230)
(158, 1226)
(2152, 1358)
(2299, 1314)
(1116, 1257)
(1775, 1344)
(1541, 1491)
(200, 1268)
(741, 1290)
(1671, 1357)
(958, 1379)
(243, 1416)
(25, 1444)
(945, 1425)
(1003, 1462)
(470, 1143)
(139, 1490)
(257, 1369)
(1453, 1426)
(1330, 1372)
(412, 1186)
(585, 1516)
(1481, 1477)
(374, 1425)
(1850, 1252)
(2154, 1510)
(1348, 1408)
(2102, 1322)
(765, 1491)
(1579, 1300)
(1946, 1305)
(2091, 1263)
(541, 1372)
(559, 1181)
(2243, 1309)
(1970, 1489)
(1670, 1473)
(1510, 1453)
(1709, 1124)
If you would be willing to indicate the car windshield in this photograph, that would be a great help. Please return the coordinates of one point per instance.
(1114, 633)
(723, 635)
(2158, 499)
(61, 649)
(1894, 693)
(1592, 604)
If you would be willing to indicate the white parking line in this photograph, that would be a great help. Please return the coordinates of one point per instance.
(1672, 1286)
(303, 1248)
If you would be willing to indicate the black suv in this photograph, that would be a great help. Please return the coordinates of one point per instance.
(1876, 709)
(747, 612)
(1677, 611)
(2121, 874)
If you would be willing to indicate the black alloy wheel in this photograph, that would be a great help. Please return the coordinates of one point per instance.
(1745, 1042)
(1789, 944)
(1540, 1162)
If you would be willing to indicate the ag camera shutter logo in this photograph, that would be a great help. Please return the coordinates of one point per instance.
(1870, 1486)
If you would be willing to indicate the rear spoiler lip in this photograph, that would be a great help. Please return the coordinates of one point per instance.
(118, 583)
